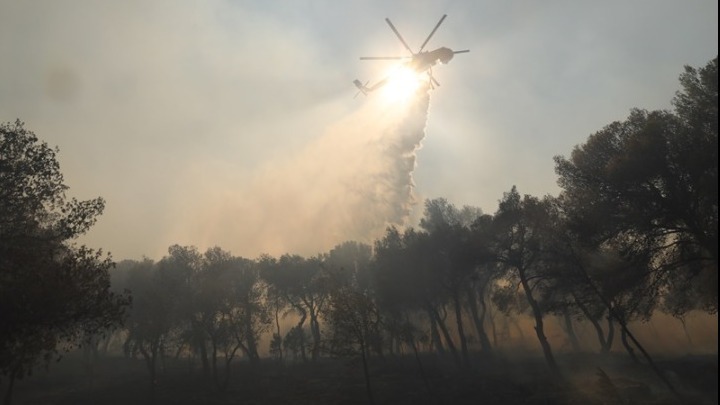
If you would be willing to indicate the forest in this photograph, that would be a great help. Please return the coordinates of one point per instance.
(547, 300)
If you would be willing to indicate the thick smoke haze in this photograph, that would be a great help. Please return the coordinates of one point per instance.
(348, 184)
(182, 115)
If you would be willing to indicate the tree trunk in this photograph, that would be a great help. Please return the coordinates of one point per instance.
(315, 330)
(277, 324)
(605, 342)
(366, 373)
(461, 329)
(376, 338)
(199, 343)
(610, 335)
(251, 340)
(537, 313)
(446, 335)
(479, 320)
(301, 333)
(685, 329)
(213, 358)
(435, 341)
(613, 314)
(604, 347)
(226, 375)
(204, 358)
(570, 330)
(493, 326)
(649, 359)
(421, 369)
(626, 344)
(161, 353)
(228, 359)
(150, 361)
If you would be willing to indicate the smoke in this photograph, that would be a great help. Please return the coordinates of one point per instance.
(350, 183)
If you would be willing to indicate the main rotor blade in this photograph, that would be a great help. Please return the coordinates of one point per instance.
(383, 57)
(463, 51)
(432, 33)
(399, 36)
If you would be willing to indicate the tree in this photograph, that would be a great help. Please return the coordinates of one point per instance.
(302, 283)
(275, 303)
(454, 261)
(51, 292)
(576, 297)
(521, 231)
(152, 316)
(353, 325)
(484, 276)
(349, 263)
(213, 314)
(251, 311)
(406, 283)
(649, 183)
(179, 272)
(229, 303)
(351, 260)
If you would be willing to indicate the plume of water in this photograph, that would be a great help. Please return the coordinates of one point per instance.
(350, 183)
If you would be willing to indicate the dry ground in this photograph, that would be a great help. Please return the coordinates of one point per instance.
(505, 379)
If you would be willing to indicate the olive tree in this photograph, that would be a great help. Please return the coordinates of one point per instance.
(52, 293)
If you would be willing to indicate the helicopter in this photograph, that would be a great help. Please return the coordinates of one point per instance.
(420, 61)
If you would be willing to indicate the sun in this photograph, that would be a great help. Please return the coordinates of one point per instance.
(402, 84)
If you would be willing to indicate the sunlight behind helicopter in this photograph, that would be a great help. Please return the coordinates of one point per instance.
(419, 62)
(402, 84)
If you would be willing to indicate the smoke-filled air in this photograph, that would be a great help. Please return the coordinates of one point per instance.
(349, 183)
(359, 202)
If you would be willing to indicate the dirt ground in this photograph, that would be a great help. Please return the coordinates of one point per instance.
(504, 379)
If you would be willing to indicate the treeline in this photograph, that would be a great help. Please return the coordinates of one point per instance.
(634, 230)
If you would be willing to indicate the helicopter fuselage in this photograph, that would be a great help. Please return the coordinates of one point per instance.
(423, 61)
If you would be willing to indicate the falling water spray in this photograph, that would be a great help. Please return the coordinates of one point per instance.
(350, 183)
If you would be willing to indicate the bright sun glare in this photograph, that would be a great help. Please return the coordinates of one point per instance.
(402, 83)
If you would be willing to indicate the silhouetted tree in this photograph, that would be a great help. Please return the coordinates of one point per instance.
(575, 299)
(302, 284)
(453, 257)
(276, 303)
(349, 264)
(151, 317)
(251, 309)
(521, 230)
(352, 326)
(221, 311)
(51, 293)
(179, 272)
(485, 275)
(686, 293)
(649, 183)
(351, 260)
(406, 283)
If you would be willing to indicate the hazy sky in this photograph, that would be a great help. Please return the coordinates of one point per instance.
(233, 123)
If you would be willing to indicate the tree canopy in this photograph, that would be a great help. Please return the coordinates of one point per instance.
(52, 292)
(649, 184)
